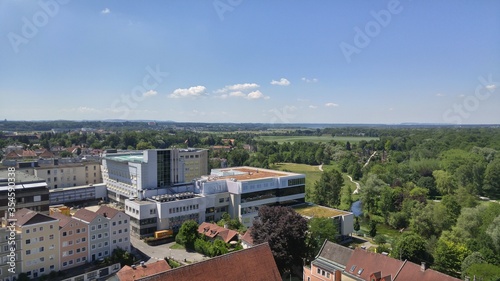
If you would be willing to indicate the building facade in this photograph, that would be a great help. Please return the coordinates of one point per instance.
(73, 235)
(98, 234)
(59, 175)
(119, 227)
(239, 191)
(150, 172)
(10, 254)
(30, 192)
(39, 242)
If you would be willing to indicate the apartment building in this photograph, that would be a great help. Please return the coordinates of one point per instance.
(6, 245)
(239, 191)
(73, 243)
(70, 174)
(98, 233)
(30, 192)
(119, 226)
(39, 242)
(150, 172)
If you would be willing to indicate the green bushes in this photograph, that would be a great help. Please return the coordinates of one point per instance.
(211, 249)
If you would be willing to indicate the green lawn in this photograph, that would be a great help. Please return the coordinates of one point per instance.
(323, 138)
(177, 247)
(312, 173)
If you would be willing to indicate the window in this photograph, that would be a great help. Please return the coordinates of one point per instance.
(114, 223)
(93, 237)
(51, 267)
(126, 239)
(125, 230)
(93, 247)
(70, 232)
(40, 249)
(65, 263)
(41, 270)
(27, 231)
(221, 200)
(105, 244)
(28, 241)
(28, 252)
(77, 230)
(84, 239)
(78, 250)
(41, 228)
(83, 249)
(93, 227)
(114, 241)
(51, 236)
(99, 227)
(51, 226)
(64, 233)
(40, 239)
(125, 221)
(99, 235)
(34, 230)
(114, 232)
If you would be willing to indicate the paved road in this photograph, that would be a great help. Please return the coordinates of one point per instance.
(159, 252)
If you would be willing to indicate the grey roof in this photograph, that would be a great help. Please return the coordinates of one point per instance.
(27, 217)
(335, 253)
(21, 178)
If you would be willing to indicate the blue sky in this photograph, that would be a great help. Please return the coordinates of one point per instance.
(251, 61)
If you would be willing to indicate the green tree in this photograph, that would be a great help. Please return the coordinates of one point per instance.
(494, 232)
(327, 189)
(323, 228)
(285, 231)
(492, 179)
(449, 255)
(357, 227)
(484, 272)
(370, 193)
(444, 182)
(188, 233)
(410, 246)
(373, 228)
(471, 259)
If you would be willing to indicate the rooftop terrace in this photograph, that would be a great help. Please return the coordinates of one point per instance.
(135, 157)
(248, 173)
(316, 211)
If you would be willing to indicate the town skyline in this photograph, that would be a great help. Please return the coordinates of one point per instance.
(384, 62)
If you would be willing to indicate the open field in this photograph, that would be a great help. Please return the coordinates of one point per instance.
(312, 173)
(323, 138)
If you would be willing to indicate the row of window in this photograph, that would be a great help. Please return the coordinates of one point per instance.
(78, 230)
(271, 193)
(70, 262)
(33, 230)
(35, 272)
(121, 240)
(71, 252)
(99, 236)
(100, 245)
(183, 208)
(323, 273)
(77, 241)
(39, 250)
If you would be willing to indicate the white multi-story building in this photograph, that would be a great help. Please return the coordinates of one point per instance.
(98, 233)
(150, 172)
(119, 227)
(239, 191)
(65, 174)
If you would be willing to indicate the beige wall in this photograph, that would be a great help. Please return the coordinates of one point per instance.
(40, 235)
(70, 175)
(195, 164)
(74, 244)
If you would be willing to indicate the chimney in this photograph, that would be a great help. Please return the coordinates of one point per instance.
(422, 267)
(142, 264)
(133, 266)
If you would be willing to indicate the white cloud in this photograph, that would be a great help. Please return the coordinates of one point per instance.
(331, 104)
(190, 92)
(150, 93)
(106, 11)
(491, 87)
(440, 95)
(309, 80)
(313, 106)
(281, 82)
(238, 87)
(237, 94)
(256, 95)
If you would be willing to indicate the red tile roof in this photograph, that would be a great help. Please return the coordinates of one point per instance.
(85, 215)
(107, 212)
(247, 237)
(363, 264)
(63, 219)
(212, 230)
(252, 264)
(27, 217)
(128, 273)
(413, 271)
